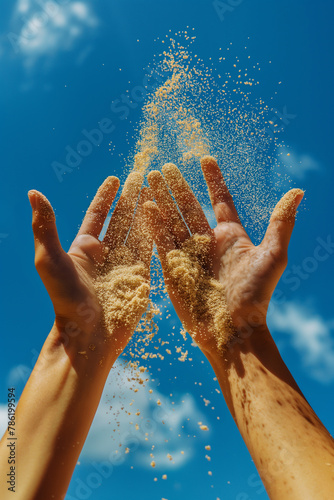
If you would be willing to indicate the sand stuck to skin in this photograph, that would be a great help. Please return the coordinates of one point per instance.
(122, 287)
(204, 296)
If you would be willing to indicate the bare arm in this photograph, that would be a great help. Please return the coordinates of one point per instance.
(221, 285)
(60, 399)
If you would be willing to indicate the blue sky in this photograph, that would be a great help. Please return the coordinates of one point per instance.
(62, 66)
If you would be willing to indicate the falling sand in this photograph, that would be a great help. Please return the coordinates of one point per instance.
(189, 115)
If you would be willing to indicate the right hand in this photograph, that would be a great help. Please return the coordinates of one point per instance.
(246, 274)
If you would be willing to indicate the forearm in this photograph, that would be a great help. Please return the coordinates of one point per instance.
(53, 418)
(292, 450)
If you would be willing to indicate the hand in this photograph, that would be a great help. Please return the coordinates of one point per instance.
(218, 281)
(92, 303)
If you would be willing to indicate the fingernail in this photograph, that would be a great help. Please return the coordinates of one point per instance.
(299, 199)
(33, 199)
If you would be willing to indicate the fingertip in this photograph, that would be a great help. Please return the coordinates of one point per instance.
(150, 211)
(286, 208)
(108, 189)
(170, 169)
(208, 161)
(299, 197)
(112, 180)
(136, 176)
(154, 177)
(32, 196)
(150, 206)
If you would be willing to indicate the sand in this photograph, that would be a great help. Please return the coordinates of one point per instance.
(122, 287)
(285, 209)
(189, 272)
(181, 123)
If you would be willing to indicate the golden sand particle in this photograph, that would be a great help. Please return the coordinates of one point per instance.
(150, 391)
(204, 427)
(210, 473)
(208, 458)
(127, 450)
(83, 353)
(183, 357)
(164, 476)
(169, 456)
(159, 402)
(182, 452)
(92, 347)
(208, 447)
(153, 463)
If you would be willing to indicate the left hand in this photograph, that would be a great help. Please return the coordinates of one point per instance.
(83, 283)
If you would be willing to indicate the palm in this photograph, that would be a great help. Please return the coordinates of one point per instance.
(74, 279)
(246, 275)
(75, 273)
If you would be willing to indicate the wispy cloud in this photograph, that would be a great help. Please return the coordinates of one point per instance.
(296, 165)
(41, 29)
(311, 335)
(135, 420)
(130, 416)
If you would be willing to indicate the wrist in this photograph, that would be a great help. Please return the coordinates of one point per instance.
(255, 340)
(90, 356)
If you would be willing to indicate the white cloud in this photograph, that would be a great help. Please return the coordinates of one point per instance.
(44, 28)
(310, 335)
(160, 424)
(164, 426)
(298, 166)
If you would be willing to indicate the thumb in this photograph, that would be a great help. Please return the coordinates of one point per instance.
(44, 227)
(282, 221)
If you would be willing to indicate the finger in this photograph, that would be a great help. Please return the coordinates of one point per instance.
(161, 235)
(140, 240)
(99, 208)
(186, 200)
(44, 226)
(221, 199)
(122, 217)
(282, 221)
(167, 207)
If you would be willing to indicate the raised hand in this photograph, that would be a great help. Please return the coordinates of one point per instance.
(219, 282)
(99, 289)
